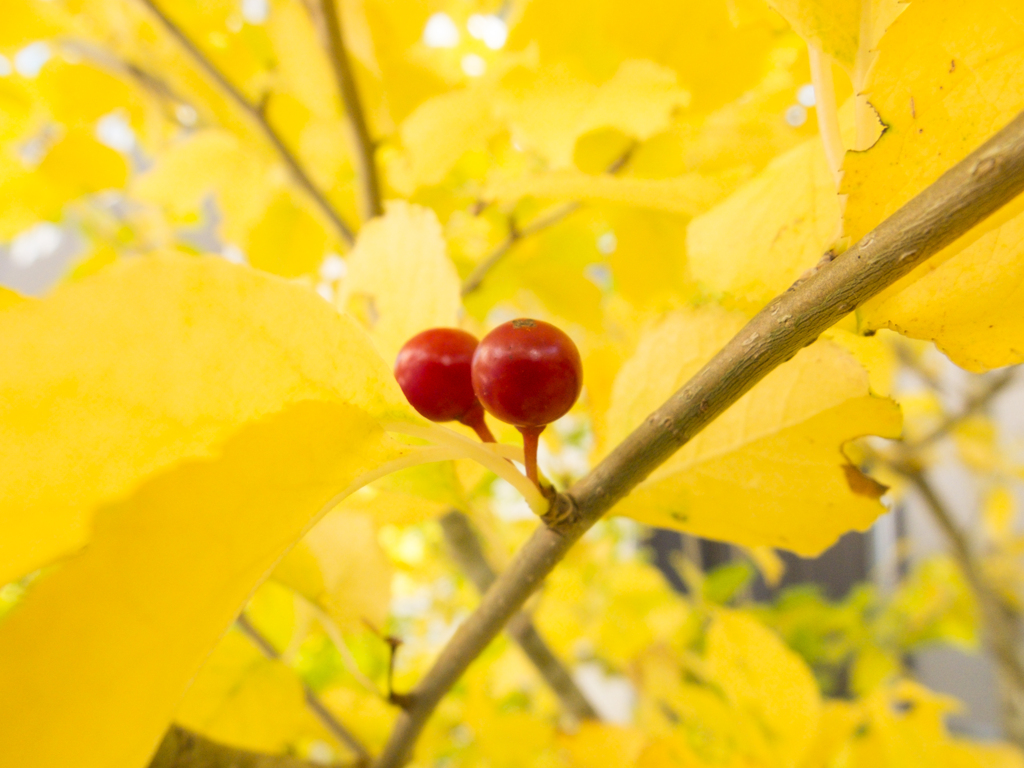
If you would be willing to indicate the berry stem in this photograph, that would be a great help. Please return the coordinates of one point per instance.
(474, 419)
(531, 439)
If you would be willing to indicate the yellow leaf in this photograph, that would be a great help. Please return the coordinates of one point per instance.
(205, 162)
(400, 274)
(688, 195)
(74, 166)
(999, 511)
(149, 363)
(596, 37)
(9, 298)
(287, 240)
(769, 471)
(167, 569)
(940, 101)
(753, 245)
(846, 30)
(596, 745)
(340, 567)
(302, 68)
(639, 100)
(243, 699)
(763, 678)
(78, 94)
(963, 299)
(17, 108)
(82, 165)
(439, 132)
(550, 109)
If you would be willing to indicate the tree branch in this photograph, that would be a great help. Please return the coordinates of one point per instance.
(542, 222)
(1000, 622)
(465, 548)
(364, 146)
(183, 749)
(328, 720)
(967, 193)
(257, 117)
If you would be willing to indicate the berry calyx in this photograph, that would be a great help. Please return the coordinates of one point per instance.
(433, 369)
(527, 373)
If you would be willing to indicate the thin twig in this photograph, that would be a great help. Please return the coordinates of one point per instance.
(338, 641)
(465, 548)
(328, 720)
(258, 118)
(978, 402)
(369, 176)
(515, 234)
(182, 748)
(542, 222)
(969, 192)
(906, 357)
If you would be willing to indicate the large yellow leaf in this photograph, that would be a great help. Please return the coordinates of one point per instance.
(400, 279)
(189, 420)
(166, 570)
(766, 681)
(754, 244)
(940, 100)
(149, 363)
(770, 471)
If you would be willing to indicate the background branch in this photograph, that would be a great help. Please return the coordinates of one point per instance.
(328, 720)
(465, 548)
(1000, 623)
(979, 401)
(369, 178)
(255, 114)
(967, 193)
(183, 749)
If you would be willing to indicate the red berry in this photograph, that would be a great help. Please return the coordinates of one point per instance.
(433, 370)
(527, 373)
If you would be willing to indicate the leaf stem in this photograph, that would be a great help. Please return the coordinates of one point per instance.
(369, 177)
(966, 194)
(491, 457)
(825, 105)
(257, 117)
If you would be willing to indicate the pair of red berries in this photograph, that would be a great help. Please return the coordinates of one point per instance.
(525, 372)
